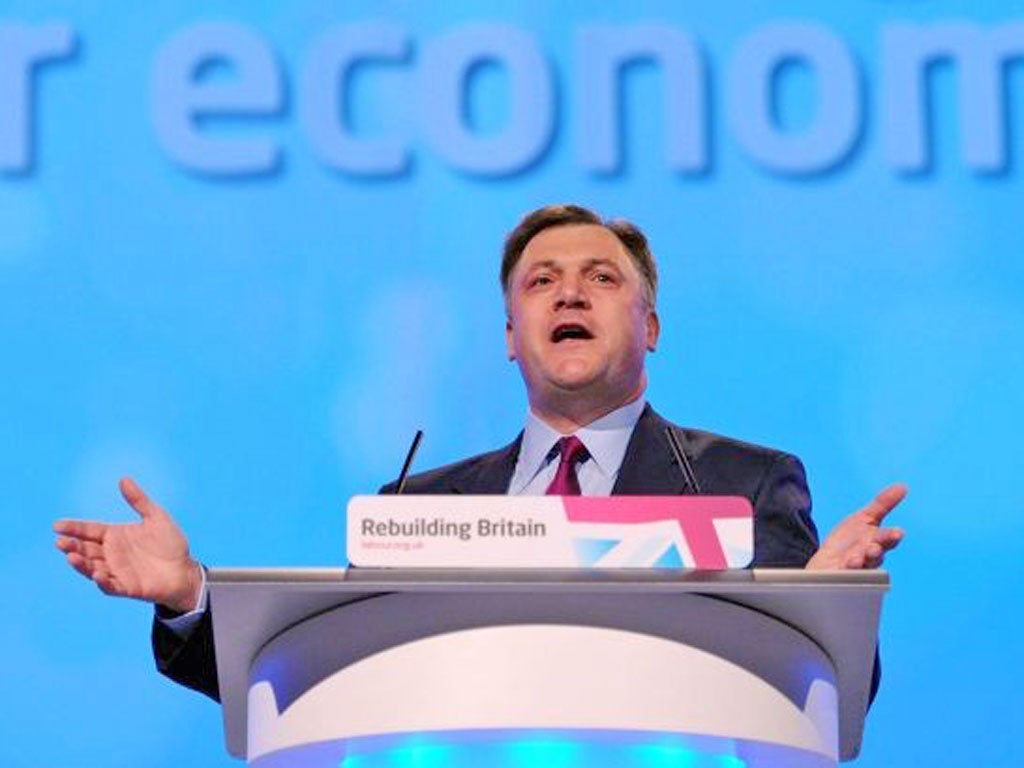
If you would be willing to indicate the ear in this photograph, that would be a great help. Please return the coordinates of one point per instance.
(510, 349)
(653, 330)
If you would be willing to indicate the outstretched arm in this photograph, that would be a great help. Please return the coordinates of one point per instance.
(147, 560)
(860, 541)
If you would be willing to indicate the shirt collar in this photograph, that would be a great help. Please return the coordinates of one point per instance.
(606, 439)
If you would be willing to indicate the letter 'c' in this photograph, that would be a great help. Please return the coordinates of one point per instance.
(325, 79)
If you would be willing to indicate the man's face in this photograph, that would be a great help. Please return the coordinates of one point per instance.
(578, 322)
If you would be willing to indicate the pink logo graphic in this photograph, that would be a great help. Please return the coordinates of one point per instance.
(695, 516)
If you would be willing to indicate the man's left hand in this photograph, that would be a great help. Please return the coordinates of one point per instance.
(860, 541)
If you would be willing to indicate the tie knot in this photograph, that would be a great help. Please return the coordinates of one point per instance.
(572, 450)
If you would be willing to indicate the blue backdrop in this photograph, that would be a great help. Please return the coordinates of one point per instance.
(247, 249)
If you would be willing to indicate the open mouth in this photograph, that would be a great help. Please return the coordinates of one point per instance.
(568, 331)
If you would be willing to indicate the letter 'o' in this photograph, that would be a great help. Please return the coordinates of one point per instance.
(750, 98)
(446, 63)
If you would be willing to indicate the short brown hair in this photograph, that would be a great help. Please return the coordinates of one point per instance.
(549, 216)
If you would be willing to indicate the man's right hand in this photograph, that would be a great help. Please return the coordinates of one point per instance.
(148, 560)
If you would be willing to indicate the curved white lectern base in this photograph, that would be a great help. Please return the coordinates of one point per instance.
(629, 672)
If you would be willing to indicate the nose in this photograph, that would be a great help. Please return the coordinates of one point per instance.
(571, 293)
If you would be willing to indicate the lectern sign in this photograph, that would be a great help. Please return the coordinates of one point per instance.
(708, 532)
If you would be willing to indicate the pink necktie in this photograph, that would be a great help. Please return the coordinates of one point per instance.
(572, 452)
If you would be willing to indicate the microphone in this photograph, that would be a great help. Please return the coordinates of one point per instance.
(676, 444)
(408, 461)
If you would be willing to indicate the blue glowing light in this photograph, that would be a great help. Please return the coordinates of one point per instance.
(541, 749)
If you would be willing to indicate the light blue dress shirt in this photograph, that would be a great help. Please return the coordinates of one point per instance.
(605, 439)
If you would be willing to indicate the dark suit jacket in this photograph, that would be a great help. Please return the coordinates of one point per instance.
(784, 534)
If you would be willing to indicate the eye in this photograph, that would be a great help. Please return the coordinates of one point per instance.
(540, 280)
(606, 278)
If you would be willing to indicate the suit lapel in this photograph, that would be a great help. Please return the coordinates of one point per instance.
(492, 474)
(648, 468)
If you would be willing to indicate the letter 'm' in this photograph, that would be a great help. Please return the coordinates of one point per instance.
(909, 52)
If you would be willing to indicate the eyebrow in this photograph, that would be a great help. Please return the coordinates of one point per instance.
(588, 264)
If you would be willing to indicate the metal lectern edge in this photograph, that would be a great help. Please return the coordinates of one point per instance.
(838, 610)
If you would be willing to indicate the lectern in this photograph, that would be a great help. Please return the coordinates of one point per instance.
(368, 667)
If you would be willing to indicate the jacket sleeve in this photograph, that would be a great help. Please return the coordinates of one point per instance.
(188, 660)
(784, 533)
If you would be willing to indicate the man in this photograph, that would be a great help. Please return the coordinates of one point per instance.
(580, 298)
